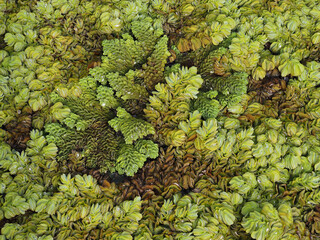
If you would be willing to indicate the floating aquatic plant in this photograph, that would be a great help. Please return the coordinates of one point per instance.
(159, 119)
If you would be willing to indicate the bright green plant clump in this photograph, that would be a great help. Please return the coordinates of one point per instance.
(159, 119)
(77, 209)
(90, 136)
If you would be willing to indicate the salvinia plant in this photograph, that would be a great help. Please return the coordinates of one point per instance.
(96, 138)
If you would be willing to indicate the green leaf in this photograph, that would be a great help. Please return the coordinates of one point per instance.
(231, 123)
(59, 113)
(236, 199)
(42, 205)
(132, 128)
(19, 46)
(122, 236)
(269, 211)
(256, 225)
(148, 148)
(285, 68)
(10, 230)
(297, 68)
(273, 123)
(37, 103)
(259, 73)
(129, 160)
(49, 151)
(227, 216)
(293, 24)
(291, 161)
(217, 38)
(250, 207)
(315, 38)
(9, 38)
(183, 226)
(10, 212)
(285, 214)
